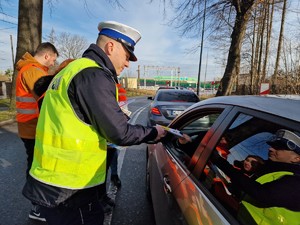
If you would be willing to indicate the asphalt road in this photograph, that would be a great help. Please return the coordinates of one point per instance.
(132, 206)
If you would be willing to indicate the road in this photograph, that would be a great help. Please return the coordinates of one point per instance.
(132, 207)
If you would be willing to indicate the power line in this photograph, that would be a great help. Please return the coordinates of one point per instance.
(7, 21)
(8, 15)
(7, 28)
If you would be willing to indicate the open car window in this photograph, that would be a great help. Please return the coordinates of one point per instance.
(244, 140)
(196, 129)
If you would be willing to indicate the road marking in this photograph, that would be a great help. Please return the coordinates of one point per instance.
(4, 163)
(112, 190)
(136, 114)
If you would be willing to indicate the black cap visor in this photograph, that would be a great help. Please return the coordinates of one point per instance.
(129, 48)
(283, 144)
(278, 145)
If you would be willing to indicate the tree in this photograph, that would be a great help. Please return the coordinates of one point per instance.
(274, 78)
(9, 73)
(71, 46)
(30, 31)
(189, 14)
(29, 34)
(243, 10)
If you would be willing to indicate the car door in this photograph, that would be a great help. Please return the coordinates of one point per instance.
(176, 198)
(247, 134)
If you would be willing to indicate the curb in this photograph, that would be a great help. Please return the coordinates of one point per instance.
(2, 123)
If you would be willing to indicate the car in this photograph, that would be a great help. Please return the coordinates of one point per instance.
(170, 87)
(169, 103)
(181, 181)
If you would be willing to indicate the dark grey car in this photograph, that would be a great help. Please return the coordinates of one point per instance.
(169, 103)
(184, 184)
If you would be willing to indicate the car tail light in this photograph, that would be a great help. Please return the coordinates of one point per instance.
(155, 111)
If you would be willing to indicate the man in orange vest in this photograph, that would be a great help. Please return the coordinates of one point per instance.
(31, 68)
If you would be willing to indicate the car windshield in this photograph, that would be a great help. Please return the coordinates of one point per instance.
(176, 96)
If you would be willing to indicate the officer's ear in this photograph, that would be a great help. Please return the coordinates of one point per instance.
(295, 158)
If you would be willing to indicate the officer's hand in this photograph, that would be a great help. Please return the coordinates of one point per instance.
(161, 132)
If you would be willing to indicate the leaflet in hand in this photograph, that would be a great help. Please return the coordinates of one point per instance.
(173, 131)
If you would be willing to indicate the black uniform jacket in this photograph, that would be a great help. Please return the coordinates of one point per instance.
(283, 192)
(92, 93)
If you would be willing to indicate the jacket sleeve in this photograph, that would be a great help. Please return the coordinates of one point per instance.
(93, 96)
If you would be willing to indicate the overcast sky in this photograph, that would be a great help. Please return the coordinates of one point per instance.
(160, 45)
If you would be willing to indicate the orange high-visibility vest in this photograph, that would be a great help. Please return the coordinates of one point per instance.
(122, 93)
(26, 105)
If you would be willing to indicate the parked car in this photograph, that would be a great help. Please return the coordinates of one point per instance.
(169, 103)
(170, 87)
(178, 179)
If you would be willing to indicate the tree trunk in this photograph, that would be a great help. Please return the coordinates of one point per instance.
(274, 79)
(232, 69)
(256, 50)
(29, 34)
(261, 45)
(268, 41)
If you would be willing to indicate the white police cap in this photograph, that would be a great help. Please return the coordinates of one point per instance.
(122, 33)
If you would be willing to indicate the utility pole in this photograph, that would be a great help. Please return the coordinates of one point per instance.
(12, 52)
(138, 80)
(201, 48)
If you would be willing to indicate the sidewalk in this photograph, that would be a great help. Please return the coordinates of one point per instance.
(2, 123)
(5, 108)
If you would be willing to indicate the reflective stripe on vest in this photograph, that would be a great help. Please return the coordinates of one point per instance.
(68, 153)
(272, 215)
(26, 105)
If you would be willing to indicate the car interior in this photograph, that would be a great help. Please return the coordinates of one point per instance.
(246, 135)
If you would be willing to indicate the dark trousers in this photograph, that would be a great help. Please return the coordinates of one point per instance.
(29, 145)
(89, 214)
(110, 155)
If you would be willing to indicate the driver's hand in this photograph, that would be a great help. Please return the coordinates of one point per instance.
(185, 139)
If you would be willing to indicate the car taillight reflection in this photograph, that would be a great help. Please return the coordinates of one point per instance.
(155, 111)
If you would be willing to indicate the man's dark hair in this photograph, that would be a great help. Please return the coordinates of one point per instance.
(46, 46)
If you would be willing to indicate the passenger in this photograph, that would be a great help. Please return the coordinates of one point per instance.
(273, 198)
(250, 165)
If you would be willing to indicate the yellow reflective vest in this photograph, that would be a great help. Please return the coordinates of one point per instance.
(68, 153)
(272, 215)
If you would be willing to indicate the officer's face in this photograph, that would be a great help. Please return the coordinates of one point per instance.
(282, 155)
(120, 57)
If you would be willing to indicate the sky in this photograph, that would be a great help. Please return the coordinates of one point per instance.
(160, 44)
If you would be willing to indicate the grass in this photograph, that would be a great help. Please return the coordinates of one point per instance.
(130, 92)
(5, 114)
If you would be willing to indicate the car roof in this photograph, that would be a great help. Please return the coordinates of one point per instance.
(175, 90)
(278, 105)
(170, 87)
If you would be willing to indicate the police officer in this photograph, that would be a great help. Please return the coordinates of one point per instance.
(79, 115)
(273, 198)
